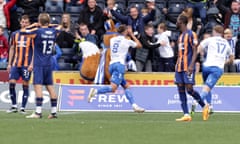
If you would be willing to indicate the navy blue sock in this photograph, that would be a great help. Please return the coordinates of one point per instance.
(25, 95)
(196, 96)
(129, 96)
(12, 93)
(104, 89)
(183, 99)
(54, 106)
(53, 102)
(39, 102)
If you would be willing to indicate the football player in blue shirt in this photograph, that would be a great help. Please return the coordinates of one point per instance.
(44, 35)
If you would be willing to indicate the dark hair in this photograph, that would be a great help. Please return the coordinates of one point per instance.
(183, 19)
(148, 26)
(122, 28)
(237, 1)
(82, 24)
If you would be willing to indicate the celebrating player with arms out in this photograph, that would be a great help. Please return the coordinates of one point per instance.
(119, 46)
(44, 36)
(19, 65)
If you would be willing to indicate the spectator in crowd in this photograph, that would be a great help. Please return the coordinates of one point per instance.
(84, 35)
(14, 18)
(135, 20)
(192, 24)
(20, 65)
(144, 11)
(117, 16)
(232, 18)
(65, 39)
(92, 15)
(145, 56)
(5, 15)
(229, 65)
(158, 16)
(166, 61)
(32, 8)
(223, 6)
(3, 46)
(199, 8)
(237, 53)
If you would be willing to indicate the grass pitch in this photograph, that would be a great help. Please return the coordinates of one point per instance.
(119, 128)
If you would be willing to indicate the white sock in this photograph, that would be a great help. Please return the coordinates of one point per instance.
(39, 109)
(54, 110)
(134, 105)
(15, 106)
(186, 114)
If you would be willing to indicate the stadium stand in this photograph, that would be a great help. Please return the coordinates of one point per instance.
(161, 4)
(74, 12)
(64, 66)
(101, 3)
(121, 5)
(55, 11)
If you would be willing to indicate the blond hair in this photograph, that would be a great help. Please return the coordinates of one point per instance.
(44, 19)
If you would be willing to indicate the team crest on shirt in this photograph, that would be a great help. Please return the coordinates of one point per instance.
(49, 32)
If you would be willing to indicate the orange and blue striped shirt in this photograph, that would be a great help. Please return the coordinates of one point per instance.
(187, 41)
(23, 49)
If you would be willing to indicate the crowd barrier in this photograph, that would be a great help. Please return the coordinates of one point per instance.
(134, 78)
(152, 98)
(154, 91)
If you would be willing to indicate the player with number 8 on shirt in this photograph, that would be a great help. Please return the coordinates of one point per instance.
(44, 35)
(119, 46)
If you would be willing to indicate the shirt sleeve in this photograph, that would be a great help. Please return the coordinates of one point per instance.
(29, 32)
(194, 39)
(205, 43)
(132, 43)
